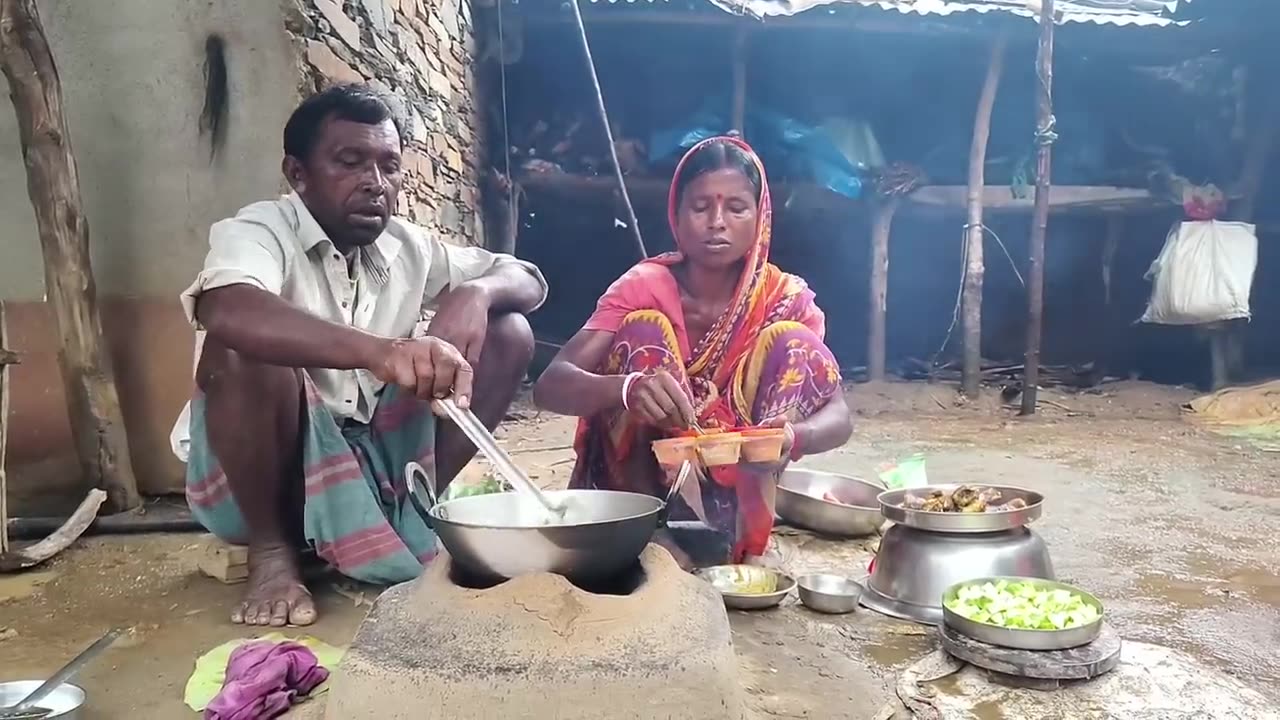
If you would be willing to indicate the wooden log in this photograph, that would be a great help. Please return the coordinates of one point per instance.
(1040, 216)
(93, 405)
(881, 223)
(739, 117)
(974, 268)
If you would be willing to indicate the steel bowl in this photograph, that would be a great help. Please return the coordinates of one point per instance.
(723, 577)
(1016, 637)
(496, 537)
(65, 701)
(800, 503)
(913, 568)
(961, 522)
(831, 594)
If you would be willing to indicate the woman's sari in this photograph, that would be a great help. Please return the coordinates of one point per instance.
(764, 358)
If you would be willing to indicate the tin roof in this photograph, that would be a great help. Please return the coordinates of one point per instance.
(1145, 13)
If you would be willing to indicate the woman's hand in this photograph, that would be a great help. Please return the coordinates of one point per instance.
(659, 401)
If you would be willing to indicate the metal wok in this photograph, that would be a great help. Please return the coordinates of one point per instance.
(500, 536)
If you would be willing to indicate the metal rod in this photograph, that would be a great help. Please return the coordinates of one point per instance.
(486, 444)
(608, 132)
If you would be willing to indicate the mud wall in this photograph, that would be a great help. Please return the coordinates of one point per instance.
(134, 86)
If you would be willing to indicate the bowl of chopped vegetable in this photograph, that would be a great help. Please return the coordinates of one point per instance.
(1023, 613)
(748, 587)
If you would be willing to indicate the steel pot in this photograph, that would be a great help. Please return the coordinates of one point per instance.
(503, 535)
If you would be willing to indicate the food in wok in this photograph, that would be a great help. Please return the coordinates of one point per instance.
(965, 499)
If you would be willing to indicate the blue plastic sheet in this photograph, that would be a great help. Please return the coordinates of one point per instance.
(788, 147)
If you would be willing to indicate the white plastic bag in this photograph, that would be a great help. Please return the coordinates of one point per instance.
(1203, 274)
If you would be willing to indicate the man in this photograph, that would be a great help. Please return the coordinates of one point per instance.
(315, 378)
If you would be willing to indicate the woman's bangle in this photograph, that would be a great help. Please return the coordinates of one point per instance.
(627, 382)
(797, 451)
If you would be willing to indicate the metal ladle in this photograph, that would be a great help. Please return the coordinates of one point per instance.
(484, 441)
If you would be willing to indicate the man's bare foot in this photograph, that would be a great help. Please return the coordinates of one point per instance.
(276, 595)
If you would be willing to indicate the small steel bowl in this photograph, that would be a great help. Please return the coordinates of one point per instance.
(723, 578)
(1019, 638)
(831, 594)
(65, 701)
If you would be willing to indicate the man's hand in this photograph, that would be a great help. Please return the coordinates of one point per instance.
(430, 368)
(462, 319)
(659, 401)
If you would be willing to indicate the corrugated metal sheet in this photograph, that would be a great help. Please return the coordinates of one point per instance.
(1143, 13)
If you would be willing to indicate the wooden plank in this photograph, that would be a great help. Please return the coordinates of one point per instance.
(999, 198)
(223, 562)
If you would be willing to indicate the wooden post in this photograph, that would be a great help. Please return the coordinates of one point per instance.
(53, 184)
(1113, 325)
(7, 358)
(882, 210)
(1040, 215)
(974, 269)
(739, 117)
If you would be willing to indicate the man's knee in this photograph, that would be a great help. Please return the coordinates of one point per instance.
(222, 370)
(512, 337)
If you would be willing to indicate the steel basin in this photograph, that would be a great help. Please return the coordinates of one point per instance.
(915, 567)
(960, 522)
(1018, 637)
(800, 504)
(501, 536)
(65, 701)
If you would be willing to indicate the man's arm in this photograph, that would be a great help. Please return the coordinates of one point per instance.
(508, 287)
(264, 327)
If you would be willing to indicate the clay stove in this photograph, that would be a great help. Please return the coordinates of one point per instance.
(656, 645)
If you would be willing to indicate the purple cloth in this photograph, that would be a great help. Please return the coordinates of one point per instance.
(263, 678)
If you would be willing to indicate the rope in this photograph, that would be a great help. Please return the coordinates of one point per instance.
(608, 131)
(964, 264)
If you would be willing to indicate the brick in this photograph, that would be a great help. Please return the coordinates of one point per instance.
(223, 562)
(419, 166)
(454, 159)
(329, 65)
(345, 27)
(379, 14)
(439, 82)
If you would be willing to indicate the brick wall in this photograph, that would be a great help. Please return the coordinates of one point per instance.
(421, 50)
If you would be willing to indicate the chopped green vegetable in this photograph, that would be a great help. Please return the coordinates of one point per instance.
(487, 486)
(1021, 606)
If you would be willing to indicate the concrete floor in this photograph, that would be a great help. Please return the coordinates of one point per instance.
(1171, 526)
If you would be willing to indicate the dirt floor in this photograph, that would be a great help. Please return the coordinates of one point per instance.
(1172, 526)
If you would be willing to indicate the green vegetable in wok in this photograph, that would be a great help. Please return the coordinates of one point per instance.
(1021, 606)
(488, 486)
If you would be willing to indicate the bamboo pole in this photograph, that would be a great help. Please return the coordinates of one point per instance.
(739, 116)
(882, 212)
(54, 186)
(971, 374)
(1040, 215)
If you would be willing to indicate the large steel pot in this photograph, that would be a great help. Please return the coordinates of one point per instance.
(913, 568)
(500, 536)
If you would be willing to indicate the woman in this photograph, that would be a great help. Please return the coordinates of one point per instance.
(712, 335)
